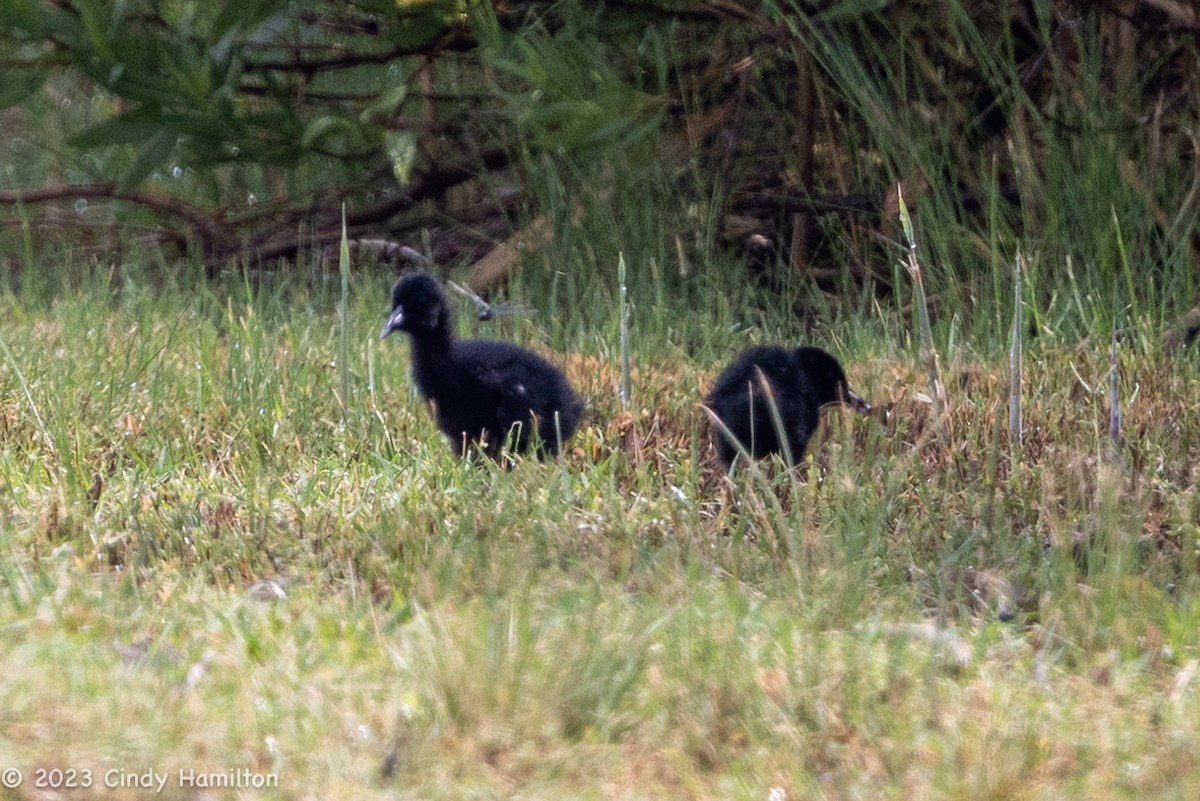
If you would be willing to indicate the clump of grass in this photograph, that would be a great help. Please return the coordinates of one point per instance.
(1015, 353)
(929, 353)
(1114, 397)
(626, 372)
(344, 317)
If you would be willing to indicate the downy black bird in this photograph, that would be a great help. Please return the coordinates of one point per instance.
(483, 393)
(800, 382)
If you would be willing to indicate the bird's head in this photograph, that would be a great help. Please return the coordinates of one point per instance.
(829, 379)
(418, 307)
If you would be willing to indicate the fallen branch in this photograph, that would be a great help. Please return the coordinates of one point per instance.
(215, 236)
(969, 199)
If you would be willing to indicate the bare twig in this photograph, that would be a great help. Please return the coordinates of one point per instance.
(486, 311)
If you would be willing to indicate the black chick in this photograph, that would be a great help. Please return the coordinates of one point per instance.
(484, 393)
(801, 381)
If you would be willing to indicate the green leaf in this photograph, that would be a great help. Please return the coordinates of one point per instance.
(390, 99)
(130, 128)
(322, 129)
(30, 16)
(424, 20)
(153, 154)
(97, 26)
(905, 219)
(402, 152)
(19, 86)
(247, 14)
(851, 9)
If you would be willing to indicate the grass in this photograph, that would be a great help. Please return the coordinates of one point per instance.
(206, 565)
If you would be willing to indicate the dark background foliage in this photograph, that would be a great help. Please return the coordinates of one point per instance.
(778, 132)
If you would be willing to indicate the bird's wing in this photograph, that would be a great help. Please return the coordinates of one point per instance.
(501, 367)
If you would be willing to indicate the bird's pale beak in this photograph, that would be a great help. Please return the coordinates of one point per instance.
(393, 324)
(855, 402)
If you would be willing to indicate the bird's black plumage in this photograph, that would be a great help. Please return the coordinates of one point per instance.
(801, 381)
(481, 390)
